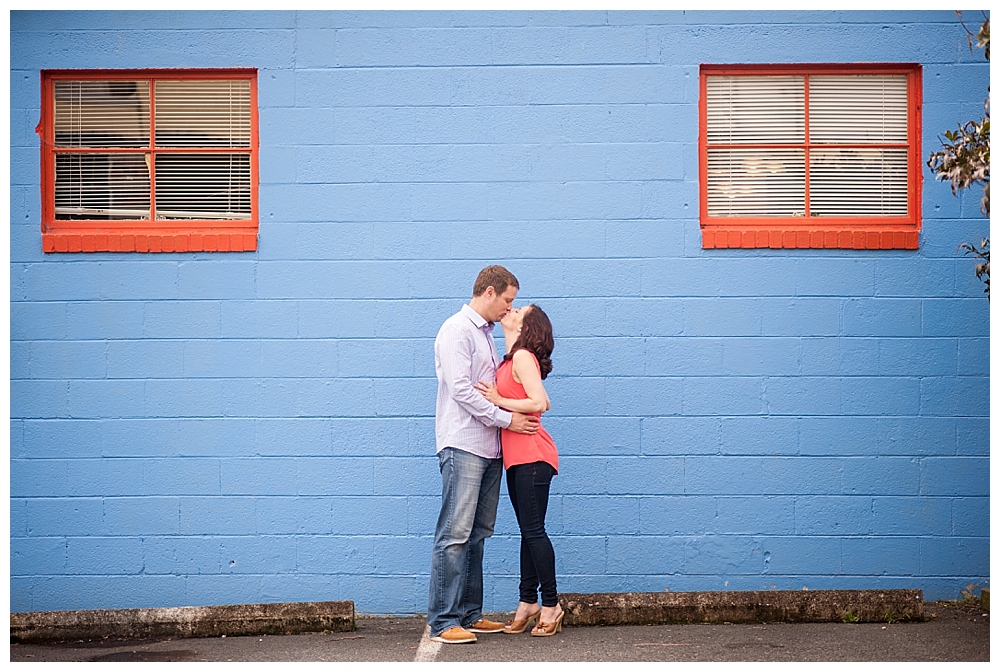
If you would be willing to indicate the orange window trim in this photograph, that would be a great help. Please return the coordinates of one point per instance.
(124, 235)
(867, 233)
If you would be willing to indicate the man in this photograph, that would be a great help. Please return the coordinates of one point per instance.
(468, 448)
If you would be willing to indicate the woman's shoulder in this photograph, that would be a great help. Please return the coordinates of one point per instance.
(524, 355)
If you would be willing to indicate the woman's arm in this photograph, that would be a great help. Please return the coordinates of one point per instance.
(518, 405)
(525, 372)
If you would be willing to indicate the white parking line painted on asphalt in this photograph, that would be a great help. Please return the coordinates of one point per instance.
(427, 651)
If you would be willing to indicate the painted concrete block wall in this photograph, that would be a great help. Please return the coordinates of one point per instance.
(223, 428)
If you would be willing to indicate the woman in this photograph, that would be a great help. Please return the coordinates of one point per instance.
(531, 461)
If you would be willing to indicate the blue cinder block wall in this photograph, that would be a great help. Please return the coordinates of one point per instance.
(217, 428)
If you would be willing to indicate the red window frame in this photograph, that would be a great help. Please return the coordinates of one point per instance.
(815, 232)
(150, 235)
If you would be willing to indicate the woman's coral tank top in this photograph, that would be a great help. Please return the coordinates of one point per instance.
(523, 448)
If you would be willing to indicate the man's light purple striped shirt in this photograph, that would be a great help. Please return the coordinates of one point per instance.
(464, 353)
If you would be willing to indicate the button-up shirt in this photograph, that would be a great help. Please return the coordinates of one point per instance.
(464, 353)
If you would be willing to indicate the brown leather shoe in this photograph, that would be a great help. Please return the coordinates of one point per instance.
(485, 626)
(455, 635)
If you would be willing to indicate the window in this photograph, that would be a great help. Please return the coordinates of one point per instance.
(820, 156)
(149, 160)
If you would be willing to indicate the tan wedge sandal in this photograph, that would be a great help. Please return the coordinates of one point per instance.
(515, 627)
(548, 629)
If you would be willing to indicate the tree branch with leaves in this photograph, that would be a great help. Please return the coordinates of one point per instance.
(964, 159)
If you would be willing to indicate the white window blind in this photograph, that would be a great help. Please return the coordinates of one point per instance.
(102, 114)
(203, 186)
(755, 110)
(102, 186)
(95, 185)
(747, 183)
(185, 171)
(763, 132)
(856, 182)
(857, 108)
(202, 113)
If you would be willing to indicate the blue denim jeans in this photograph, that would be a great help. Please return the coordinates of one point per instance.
(470, 491)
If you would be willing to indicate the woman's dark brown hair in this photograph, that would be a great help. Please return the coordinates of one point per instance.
(536, 338)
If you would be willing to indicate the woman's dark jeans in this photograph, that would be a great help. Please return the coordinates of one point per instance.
(528, 487)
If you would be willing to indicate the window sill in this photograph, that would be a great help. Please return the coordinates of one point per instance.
(817, 237)
(231, 239)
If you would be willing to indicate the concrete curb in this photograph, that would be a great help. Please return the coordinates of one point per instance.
(775, 606)
(812, 606)
(236, 619)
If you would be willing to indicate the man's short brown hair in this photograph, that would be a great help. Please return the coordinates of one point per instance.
(496, 277)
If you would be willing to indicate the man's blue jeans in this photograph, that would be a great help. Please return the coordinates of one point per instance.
(470, 491)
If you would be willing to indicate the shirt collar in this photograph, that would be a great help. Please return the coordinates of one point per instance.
(476, 318)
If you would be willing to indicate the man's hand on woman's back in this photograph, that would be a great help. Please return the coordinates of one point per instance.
(523, 424)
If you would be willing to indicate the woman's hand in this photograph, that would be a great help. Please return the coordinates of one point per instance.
(490, 392)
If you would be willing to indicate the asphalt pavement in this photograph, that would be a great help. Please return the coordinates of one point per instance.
(953, 632)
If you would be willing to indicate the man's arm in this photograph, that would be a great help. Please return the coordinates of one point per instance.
(454, 355)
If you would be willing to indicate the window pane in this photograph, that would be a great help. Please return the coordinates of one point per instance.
(101, 114)
(203, 113)
(744, 110)
(857, 108)
(203, 186)
(756, 183)
(102, 186)
(858, 182)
